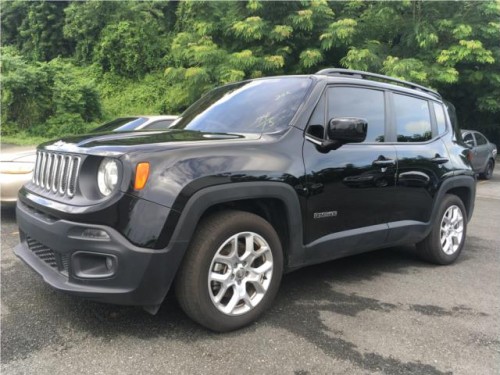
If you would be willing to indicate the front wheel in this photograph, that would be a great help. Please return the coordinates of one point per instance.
(447, 237)
(231, 272)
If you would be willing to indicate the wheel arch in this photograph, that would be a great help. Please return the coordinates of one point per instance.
(256, 197)
(464, 187)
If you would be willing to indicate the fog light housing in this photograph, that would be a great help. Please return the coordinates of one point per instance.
(88, 265)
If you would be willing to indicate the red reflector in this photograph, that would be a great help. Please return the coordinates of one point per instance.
(470, 155)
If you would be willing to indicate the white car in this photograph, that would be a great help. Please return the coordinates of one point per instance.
(16, 166)
(124, 124)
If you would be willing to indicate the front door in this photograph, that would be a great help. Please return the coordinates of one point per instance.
(349, 189)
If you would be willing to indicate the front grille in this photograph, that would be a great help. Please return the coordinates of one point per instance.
(57, 173)
(59, 262)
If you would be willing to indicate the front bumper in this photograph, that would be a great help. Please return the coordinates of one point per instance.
(109, 270)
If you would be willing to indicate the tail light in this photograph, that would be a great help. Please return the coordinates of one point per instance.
(470, 155)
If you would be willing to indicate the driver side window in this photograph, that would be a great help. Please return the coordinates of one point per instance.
(361, 103)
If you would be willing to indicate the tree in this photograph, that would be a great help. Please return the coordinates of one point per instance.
(36, 28)
(167, 54)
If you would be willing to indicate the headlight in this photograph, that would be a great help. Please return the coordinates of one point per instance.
(12, 167)
(107, 176)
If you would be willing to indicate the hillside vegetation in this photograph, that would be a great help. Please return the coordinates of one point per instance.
(68, 66)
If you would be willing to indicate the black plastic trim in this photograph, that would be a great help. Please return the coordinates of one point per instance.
(208, 197)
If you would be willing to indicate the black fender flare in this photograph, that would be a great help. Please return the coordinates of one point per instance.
(210, 196)
(464, 181)
(207, 197)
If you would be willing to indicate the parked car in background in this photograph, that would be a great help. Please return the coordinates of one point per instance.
(483, 151)
(16, 167)
(124, 124)
(17, 163)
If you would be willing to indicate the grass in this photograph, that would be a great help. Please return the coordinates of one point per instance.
(22, 139)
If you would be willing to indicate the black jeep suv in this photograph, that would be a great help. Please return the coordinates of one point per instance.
(255, 179)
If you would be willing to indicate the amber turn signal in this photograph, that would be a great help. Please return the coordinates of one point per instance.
(141, 175)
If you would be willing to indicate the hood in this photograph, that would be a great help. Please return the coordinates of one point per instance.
(119, 143)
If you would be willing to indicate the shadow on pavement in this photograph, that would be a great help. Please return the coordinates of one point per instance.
(39, 316)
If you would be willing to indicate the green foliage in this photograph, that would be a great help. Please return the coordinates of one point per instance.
(84, 22)
(64, 123)
(145, 57)
(25, 90)
(122, 96)
(122, 49)
(38, 93)
(35, 28)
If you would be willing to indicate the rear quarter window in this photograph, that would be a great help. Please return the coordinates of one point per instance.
(440, 117)
(480, 139)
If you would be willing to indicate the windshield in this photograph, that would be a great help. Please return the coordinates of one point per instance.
(121, 125)
(260, 106)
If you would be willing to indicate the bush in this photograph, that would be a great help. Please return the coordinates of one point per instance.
(56, 93)
(26, 90)
(60, 125)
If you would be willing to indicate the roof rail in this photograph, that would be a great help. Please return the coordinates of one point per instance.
(366, 75)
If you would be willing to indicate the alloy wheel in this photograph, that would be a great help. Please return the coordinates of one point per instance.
(452, 230)
(240, 273)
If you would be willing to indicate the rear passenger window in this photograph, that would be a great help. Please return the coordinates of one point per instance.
(361, 103)
(480, 140)
(440, 118)
(413, 120)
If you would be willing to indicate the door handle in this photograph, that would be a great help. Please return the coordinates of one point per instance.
(384, 162)
(439, 160)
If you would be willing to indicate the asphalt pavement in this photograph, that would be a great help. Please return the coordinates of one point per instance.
(384, 312)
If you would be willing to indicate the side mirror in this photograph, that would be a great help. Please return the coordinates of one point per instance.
(469, 143)
(347, 129)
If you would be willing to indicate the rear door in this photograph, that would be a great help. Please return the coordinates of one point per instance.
(423, 162)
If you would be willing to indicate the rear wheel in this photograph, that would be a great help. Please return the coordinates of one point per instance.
(488, 171)
(446, 240)
(231, 272)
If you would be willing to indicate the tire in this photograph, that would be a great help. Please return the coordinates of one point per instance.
(250, 276)
(446, 240)
(488, 171)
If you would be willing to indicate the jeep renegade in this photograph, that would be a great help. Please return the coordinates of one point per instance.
(255, 179)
